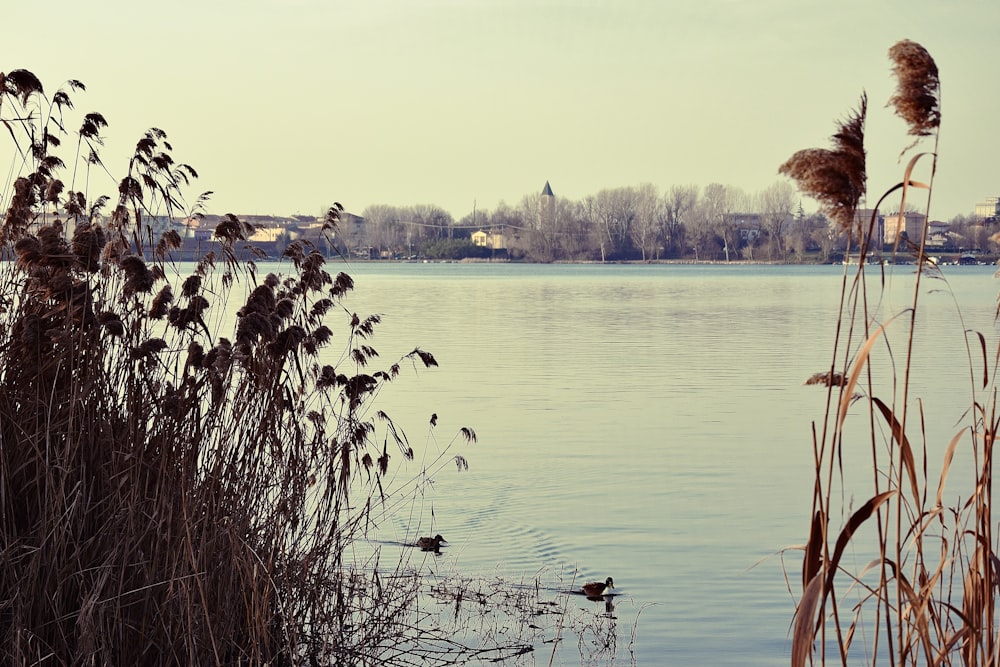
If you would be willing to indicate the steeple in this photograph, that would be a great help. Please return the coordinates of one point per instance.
(547, 208)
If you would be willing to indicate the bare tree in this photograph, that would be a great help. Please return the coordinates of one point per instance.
(538, 237)
(384, 228)
(829, 236)
(351, 233)
(575, 230)
(474, 219)
(776, 203)
(798, 235)
(646, 231)
(710, 234)
(613, 211)
(739, 227)
(678, 203)
(429, 222)
(552, 229)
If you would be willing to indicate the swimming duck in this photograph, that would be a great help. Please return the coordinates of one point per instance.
(597, 589)
(431, 543)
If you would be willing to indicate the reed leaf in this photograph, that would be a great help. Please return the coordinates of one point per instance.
(935, 599)
(916, 614)
(812, 561)
(821, 584)
(983, 353)
(804, 632)
(949, 455)
(856, 520)
(857, 367)
(905, 452)
(974, 603)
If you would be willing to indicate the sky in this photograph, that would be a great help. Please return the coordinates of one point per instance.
(286, 106)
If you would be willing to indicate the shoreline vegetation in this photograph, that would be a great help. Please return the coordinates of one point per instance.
(968, 238)
(183, 488)
(905, 573)
(180, 486)
(944, 259)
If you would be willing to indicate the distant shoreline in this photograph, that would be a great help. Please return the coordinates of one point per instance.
(943, 260)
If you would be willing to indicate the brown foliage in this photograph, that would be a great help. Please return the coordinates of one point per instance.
(835, 177)
(926, 590)
(917, 99)
(172, 497)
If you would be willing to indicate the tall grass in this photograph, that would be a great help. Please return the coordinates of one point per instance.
(172, 492)
(926, 591)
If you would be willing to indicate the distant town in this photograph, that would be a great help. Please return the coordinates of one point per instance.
(718, 223)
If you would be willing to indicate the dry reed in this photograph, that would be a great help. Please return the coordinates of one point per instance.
(927, 594)
(836, 176)
(170, 494)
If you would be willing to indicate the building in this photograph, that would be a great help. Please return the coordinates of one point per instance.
(492, 239)
(988, 210)
(938, 234)
(863, 220)
(268, 235)
(909, 223)
(748, 224)
(547, 207)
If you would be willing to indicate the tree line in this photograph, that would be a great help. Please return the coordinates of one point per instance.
(640, 223)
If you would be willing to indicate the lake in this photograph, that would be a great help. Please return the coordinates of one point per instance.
(646, 422)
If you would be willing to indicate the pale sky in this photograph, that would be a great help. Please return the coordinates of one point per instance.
(286, 106)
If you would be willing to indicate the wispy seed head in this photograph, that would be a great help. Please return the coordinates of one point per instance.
(835, 177)
(917, 99)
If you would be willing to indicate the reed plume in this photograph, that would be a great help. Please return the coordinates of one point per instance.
(179, 488)
(835, 177)
(928, 594)
(917, 99)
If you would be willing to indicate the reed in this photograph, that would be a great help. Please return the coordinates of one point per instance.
(925, 593)
(173, 492)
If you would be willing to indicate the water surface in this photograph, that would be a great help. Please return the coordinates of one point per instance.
(648, 423)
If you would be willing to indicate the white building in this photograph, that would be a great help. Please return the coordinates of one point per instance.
(910, 223)
(988, 209)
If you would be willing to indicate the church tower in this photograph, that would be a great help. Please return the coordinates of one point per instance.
(547, 207)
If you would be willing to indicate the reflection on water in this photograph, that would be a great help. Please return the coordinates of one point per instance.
(648, 423)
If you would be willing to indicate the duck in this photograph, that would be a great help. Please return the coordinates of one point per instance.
(431, 543)
(597, 588)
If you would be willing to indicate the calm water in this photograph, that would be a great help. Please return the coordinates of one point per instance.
(648, 423)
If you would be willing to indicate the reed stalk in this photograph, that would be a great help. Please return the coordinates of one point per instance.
(175, 487)
(927, 596)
